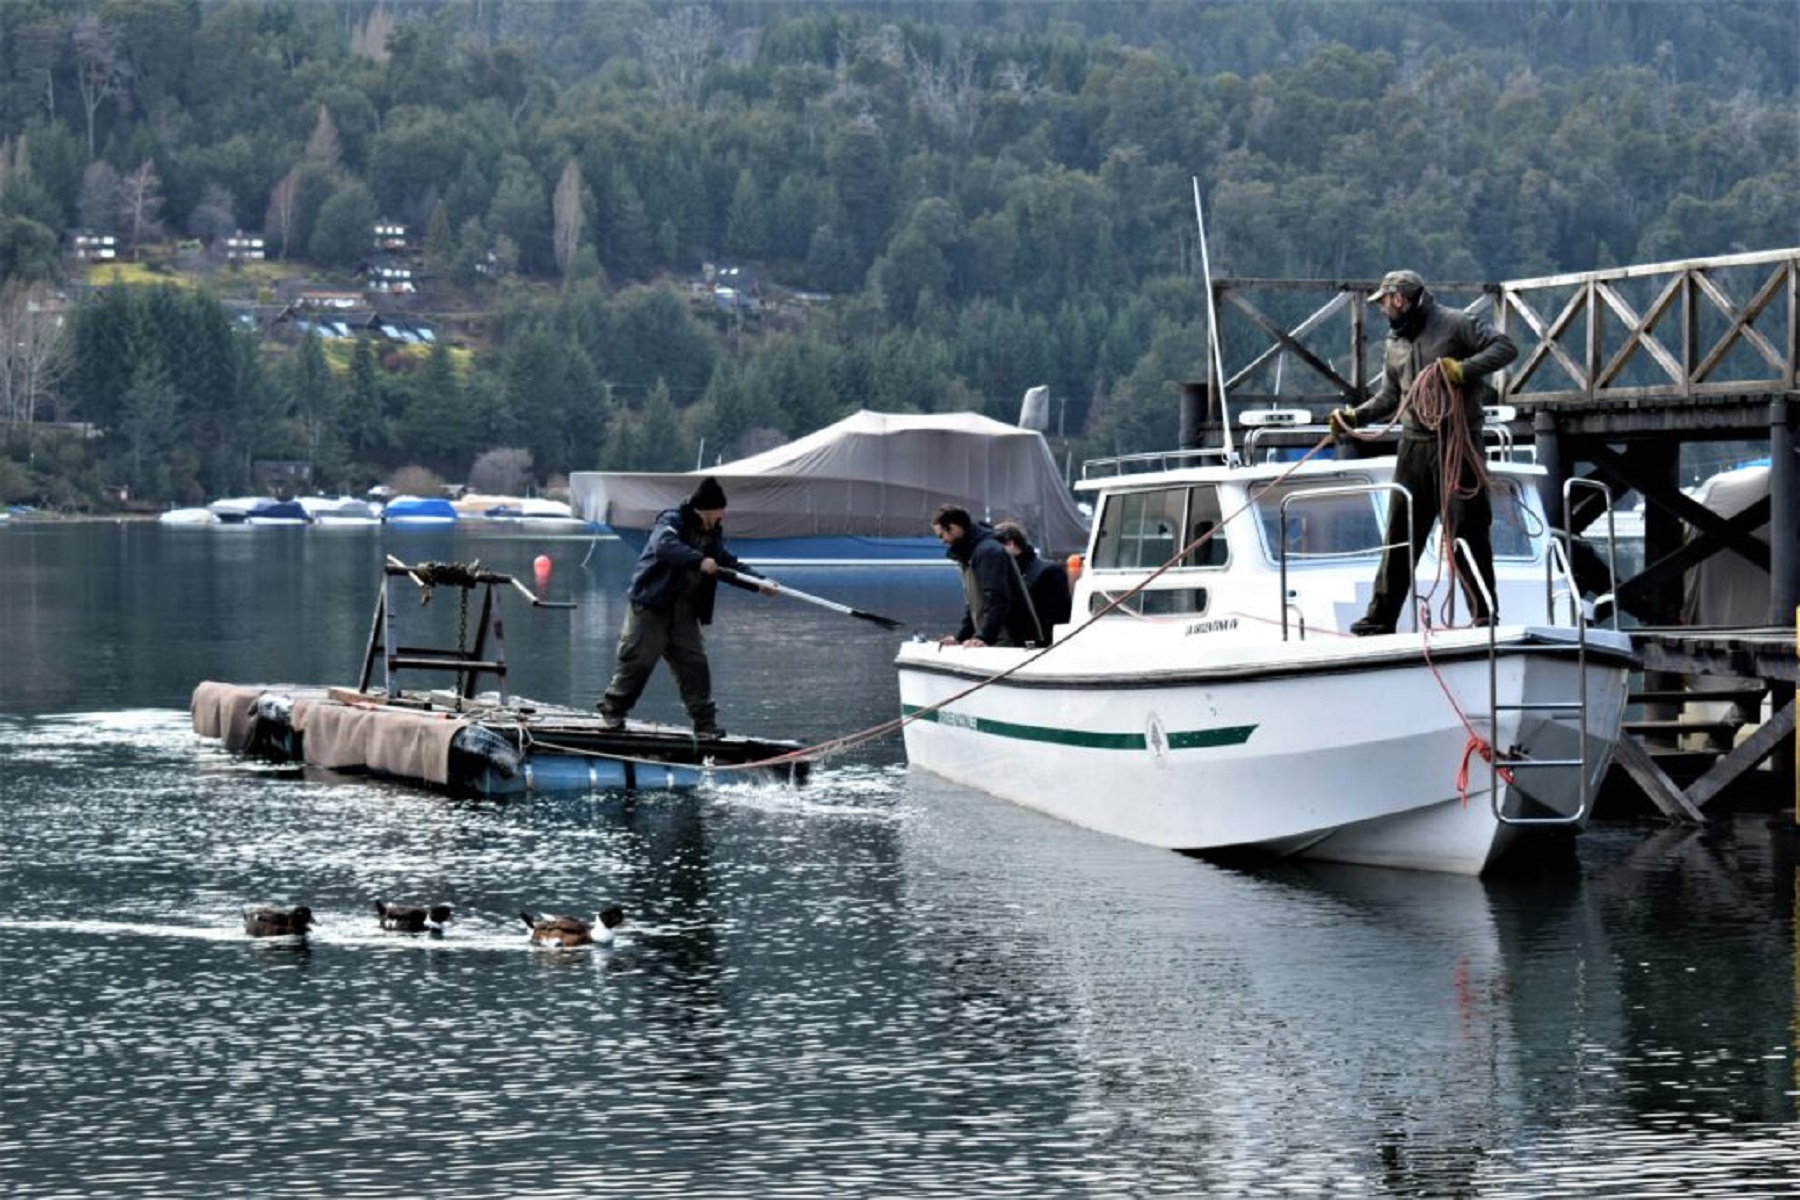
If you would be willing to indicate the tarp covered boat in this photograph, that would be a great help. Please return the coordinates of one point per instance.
(861, 490)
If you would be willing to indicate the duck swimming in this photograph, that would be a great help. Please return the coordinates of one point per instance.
(573, 931)
(412, 918)
(278, 922)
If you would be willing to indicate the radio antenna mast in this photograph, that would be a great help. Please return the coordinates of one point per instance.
(1216, 367)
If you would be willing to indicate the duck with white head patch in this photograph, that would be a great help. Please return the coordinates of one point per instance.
(573, 931)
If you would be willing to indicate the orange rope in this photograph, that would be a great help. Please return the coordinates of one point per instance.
(1476, 744)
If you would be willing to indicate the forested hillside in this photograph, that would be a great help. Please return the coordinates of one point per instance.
(942, 204)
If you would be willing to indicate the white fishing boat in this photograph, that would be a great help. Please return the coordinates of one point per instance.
(1221, 703)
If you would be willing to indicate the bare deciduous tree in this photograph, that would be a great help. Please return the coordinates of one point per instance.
(676, 49)
(503, 472)
(33, 352)
(283, 199)
(140, 206)
(948, 94)
(370, 38)
(101, 69)
(322, 145)
(567, 210)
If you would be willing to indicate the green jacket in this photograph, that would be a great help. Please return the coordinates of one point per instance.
(1439, 333)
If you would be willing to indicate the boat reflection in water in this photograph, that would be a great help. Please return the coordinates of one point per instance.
(1296, 1028)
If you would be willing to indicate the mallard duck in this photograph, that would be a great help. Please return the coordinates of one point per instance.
(573, 931)
(412, 918)
(278, 922)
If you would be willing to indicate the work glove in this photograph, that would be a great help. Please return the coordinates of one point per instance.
(1341, 421)
(1452, 371)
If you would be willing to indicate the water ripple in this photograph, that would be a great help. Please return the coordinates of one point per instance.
(877, 984)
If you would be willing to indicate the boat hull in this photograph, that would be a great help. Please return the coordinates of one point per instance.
(1355, 755)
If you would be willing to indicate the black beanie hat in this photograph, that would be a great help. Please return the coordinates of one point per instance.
(708, 495)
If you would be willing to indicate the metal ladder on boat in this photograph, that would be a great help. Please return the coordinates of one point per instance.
(468, 663)
(1557, 563)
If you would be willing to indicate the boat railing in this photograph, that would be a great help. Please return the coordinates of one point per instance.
(1151, 462)
(1500, 759)
(1564, 544)
(1330, 491)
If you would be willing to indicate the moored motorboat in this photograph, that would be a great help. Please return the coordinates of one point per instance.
(278, 512)
(236, 510)
(188, 517)
(1220, 703)
(340, 512)
(522, 514)
(419, 512)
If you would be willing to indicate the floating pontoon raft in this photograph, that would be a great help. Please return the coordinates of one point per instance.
(486, 744)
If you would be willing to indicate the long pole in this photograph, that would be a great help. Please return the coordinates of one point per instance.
(808, 597)
(1217, 365)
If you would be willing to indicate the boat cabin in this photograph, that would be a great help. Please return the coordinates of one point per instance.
(1284, 547)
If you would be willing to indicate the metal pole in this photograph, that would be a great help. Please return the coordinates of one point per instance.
(1212, 331)
(1784, 521)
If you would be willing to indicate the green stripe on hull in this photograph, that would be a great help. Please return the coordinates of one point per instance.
(1189, 739)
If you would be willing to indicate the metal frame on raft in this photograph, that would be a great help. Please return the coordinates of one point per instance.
(467, 663)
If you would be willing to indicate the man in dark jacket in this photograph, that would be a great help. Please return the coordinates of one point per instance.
(1046, 583)
(1438, 360)
(996, 611)
(672, 591)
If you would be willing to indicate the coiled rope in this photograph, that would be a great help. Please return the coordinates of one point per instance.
(1438, 405)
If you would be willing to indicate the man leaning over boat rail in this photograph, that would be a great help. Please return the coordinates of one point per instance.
(997, 609)
(1047, 583)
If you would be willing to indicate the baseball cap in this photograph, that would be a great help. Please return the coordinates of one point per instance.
(1407, 283)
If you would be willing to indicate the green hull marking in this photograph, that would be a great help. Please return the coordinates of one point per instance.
(1190, 739)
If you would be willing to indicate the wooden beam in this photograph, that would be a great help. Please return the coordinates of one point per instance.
(1752, 750)
(1654, 781)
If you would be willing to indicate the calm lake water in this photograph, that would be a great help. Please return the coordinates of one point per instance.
(875, 985)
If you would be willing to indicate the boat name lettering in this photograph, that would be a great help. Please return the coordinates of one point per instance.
(1218, 625)
(959, 720)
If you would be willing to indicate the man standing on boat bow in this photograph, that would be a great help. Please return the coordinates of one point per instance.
(1437, 360)
(672, 591)
(997, 610)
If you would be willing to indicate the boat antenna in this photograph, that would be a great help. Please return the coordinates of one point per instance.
(1216, 364)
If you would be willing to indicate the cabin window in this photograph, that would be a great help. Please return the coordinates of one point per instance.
(1154, 602)
(1144, 530)
(1327, 527)
(1321, 527)
(1514, 521)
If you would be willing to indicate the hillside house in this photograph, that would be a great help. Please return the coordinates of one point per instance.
(243, 247)
(93, 247)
